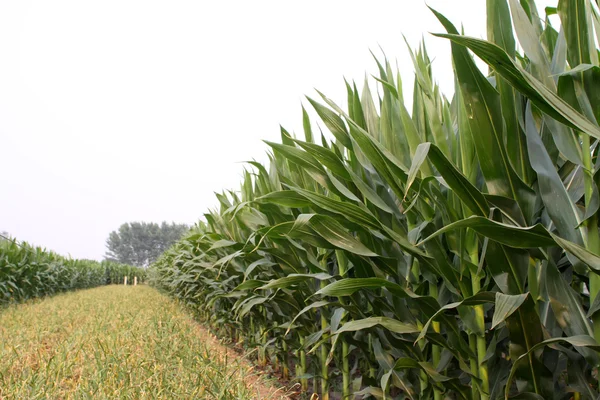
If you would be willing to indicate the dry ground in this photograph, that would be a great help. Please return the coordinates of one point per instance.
(118, 342)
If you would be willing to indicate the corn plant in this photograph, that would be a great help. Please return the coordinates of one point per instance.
(449, 251)
(115, 273)
(28, 272)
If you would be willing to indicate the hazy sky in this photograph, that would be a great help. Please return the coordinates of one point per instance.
(117, 111)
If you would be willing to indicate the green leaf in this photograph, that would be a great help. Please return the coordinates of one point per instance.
(348, 286)
(546, 100)
(567, 307)
(390, 324)
(521, 237)
(506, 305)
(501, 33)
(498, 31)
(294, 279)
(333, 122)
(525, 331)
(592, 260)
(262, 262)
(561, 209)
(325, 156)
(306, 125)
(514, 236)
(303, 159)
(245, 309)
(221, 243)
(316, 304)
(349, 211)
(479, 298)
(417, 161)
(577, 341)
(530, 42)
(484, 109)
(332, 231)
(575, 17)
(404, 363)
(369, 193)
(468, 193)
(248, 285)
(287, 198)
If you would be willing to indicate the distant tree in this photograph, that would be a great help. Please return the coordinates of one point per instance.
(4, 235)
(140, 243)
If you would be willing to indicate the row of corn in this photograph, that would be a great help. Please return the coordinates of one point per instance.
(27, 272)
(447, 252)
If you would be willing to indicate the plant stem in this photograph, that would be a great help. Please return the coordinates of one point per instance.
(371, 369)
(532, 279)
(286, 370)
(474, 366)
(436, 351)
(263, 341)
(424, 384)
(593, 246)
(342, 269)
(324, 366)
(480, 321)
(345, 371)
(481, 345)
(593, 239)
(303, 381)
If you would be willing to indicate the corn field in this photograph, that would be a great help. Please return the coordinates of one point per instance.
(447, 252)
(28, 272)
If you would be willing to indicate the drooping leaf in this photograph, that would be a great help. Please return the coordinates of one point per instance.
(546, 100)
(390, 324)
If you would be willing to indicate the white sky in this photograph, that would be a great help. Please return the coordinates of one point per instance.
(117, 111)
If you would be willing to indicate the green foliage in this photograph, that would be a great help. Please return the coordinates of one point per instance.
(27, 272)
(140, 243)
(452, 253)
(115, 273)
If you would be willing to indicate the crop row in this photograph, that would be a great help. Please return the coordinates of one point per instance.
(27, 272)
(451, 252)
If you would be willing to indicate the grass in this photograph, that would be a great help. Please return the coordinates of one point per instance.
(116, 342)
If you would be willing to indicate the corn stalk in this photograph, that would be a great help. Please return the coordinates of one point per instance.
(467, 226)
